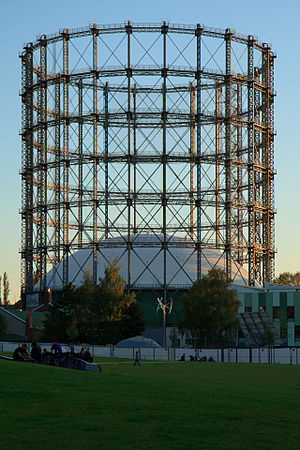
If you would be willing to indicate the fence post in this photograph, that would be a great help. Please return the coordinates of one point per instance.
(250, 354)
(222, 354)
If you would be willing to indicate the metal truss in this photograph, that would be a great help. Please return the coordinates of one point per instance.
(147, 128)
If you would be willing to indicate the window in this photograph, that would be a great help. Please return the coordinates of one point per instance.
(283, 330)
(248, 308)
(290, 312)
(276, 312)
(297, 332)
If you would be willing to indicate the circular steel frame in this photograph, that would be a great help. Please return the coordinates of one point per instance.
(167, 129)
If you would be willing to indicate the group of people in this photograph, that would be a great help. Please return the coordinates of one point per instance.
(196, 358)
(84, 354)
(21, 353)
(38, 355)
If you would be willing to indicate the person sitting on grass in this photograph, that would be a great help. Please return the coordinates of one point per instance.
(182, 357)
(20, 354)
(45, 354)
(87, 356)
(81, 353)
(56, 354)
(203, 359)
(36, 352)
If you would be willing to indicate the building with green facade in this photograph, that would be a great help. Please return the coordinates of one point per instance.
(280, 303)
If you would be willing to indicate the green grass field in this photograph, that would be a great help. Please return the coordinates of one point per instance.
(156, 406)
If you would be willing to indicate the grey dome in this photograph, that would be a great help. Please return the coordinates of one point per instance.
(137, 341)
(146, 262)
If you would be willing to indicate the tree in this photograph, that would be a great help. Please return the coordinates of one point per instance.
(93, 313)
(115, 315)
(269, 336)
(173, 335)
(59, 319)
(132, 323)
(6, 289)
(209, 311)
(3, 326)
(288, 278)
(72, 331)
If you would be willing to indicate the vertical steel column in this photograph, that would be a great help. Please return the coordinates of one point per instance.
(258, 214)
(66, 205)
(24, 158)
(45, 166)
(42, 140)
(217, 163)
(266, 169)
(134, 159)
(128, 29)
(106, 124)
(57, 175)
(95, 33)
(198, 204)
(251, 219)
(29, 196)
(228, 156)
(192, 156)
(27, 173)
(271, 164)
(39, 181)
(239, 157)
(80, 156)
(164, 74)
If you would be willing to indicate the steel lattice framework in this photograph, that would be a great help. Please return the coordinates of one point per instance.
(137, 128)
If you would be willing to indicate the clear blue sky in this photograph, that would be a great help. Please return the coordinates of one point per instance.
(273, 21)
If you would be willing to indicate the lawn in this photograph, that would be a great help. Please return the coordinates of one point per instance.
(159, 405)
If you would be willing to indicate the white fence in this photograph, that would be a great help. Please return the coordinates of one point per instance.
(275, 355)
